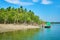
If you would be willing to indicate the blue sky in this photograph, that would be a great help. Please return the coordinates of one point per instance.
(48, 10)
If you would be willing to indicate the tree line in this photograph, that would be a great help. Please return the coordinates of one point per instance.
(19, 15)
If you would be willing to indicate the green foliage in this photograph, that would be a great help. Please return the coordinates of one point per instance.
(18, 15)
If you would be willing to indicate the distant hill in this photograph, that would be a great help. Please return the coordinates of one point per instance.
(55, 22)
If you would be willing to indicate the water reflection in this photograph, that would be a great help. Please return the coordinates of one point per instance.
(19, 35)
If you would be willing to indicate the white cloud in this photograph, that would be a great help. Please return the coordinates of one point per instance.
(13, 1)
(19, 2)
(35, 0)
(46, 2)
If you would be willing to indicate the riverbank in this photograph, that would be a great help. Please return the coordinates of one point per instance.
(13, 27)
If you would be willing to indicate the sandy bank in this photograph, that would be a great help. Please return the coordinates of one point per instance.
(12, 27)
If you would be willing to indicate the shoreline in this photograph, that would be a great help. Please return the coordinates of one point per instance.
(13, 27)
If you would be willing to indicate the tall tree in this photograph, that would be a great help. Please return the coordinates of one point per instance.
(18, 15)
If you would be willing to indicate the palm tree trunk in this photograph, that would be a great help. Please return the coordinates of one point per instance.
(5, 21)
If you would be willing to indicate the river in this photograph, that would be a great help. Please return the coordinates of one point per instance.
(52, 33)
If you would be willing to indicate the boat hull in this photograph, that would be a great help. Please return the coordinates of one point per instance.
(47, 26)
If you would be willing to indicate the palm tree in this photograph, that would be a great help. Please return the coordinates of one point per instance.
(9, 8)
(18, 15)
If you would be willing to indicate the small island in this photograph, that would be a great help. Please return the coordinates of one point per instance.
(18, 18)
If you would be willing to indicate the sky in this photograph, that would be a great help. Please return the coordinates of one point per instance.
(47, 10)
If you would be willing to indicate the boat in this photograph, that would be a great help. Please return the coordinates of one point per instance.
(48, 25)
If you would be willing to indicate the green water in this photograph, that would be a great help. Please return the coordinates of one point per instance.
(52, 33)
(19, 35)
